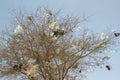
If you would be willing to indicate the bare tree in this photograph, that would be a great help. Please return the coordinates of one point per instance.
(46, 46)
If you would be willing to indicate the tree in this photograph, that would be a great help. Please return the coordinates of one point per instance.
(45, 46)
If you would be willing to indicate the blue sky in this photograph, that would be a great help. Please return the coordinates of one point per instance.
(105, 13)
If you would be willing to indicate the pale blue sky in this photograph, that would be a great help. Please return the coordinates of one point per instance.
(105, 13)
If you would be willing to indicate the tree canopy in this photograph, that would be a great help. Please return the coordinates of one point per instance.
(46, 46)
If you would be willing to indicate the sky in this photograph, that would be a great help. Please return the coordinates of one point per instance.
(103, 13)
